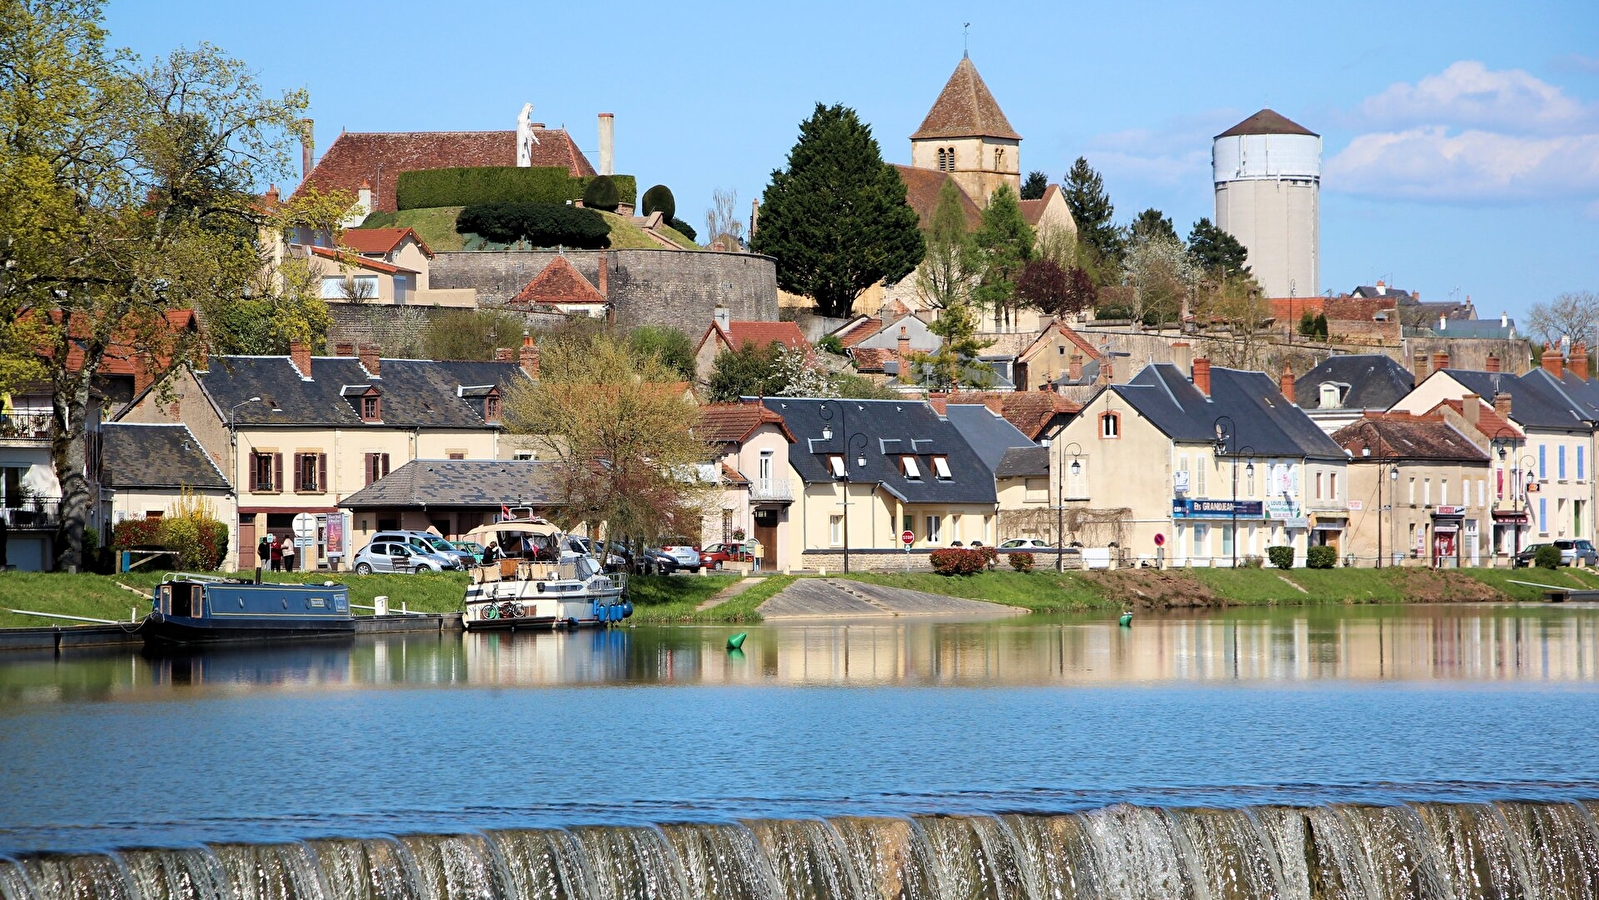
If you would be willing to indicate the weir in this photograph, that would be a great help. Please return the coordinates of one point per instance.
(1427, 851)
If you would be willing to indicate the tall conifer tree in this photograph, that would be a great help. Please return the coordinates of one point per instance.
(1092, 210)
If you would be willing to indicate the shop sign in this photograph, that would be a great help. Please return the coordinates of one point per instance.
(1216, 509)
(1280, 509)
(1450, 511)
(1300, 522)
(1357, 505)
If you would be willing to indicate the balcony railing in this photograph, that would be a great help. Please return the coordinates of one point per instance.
(33, 512)
(25, 425)
(771, 489)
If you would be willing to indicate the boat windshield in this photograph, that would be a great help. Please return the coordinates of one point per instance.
(587, 567)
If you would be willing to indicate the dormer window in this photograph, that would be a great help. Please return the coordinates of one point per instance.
(836, 463)
(491, 408)
(372, 408)
(941, 468)
(1329, 397)
(908, 466)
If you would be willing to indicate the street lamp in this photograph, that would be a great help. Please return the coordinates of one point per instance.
(1505, 440)
(826, 413)
(1525, 478)
(1076, 450)
(1224, 437)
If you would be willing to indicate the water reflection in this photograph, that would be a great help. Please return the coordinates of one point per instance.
(1476, 644)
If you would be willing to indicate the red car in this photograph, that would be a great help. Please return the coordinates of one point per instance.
(715, 555)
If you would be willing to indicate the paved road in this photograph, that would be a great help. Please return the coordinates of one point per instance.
(811, 598)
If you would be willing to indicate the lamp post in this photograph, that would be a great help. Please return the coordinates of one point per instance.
(1224, 437)
(233, 436)
(826, 413)
(1076, 450)
(1525, 477)
(1505, 441)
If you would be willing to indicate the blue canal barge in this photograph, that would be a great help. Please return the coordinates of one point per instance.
(205, 609)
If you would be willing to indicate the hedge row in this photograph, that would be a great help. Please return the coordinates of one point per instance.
(428, 188)
(540, 224)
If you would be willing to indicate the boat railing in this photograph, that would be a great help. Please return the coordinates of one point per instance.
(197, 576)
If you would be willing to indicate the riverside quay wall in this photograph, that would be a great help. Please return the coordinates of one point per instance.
(679, 288)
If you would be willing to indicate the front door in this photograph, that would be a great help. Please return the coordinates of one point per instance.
(766, 533)
(247, 558)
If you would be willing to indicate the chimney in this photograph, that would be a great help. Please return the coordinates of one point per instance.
(607, 143)
(1502, 405)
(1443, 322)
(300, 355)
(722, 317)
(1440, 361)
(755, 216)
(530, 357)
(1421, 367)
(904, 354)
(1182, 355)
(363, 196)
(1552, 363)
(202, 357)
(1504, 318)
(344, 348)
(1285, 384)
(370, 354)
(307, 148)
(1382, 289)
(1492, 365)
(504, 354)
(272, 197)
(605, 274)
(1107, 369)
(1579, 360)
(1074, 368)
(1471, 409)
(1202, 375)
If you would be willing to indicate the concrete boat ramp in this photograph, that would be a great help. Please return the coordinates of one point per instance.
(829, 598)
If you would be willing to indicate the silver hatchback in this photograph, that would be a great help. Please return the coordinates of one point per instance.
(394, 556)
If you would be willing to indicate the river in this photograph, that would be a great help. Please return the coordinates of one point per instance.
(1326, 752)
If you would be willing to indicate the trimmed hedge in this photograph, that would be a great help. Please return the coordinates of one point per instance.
(1281, 557)
(958, 561)
(1321, 557)
(684, 228)
(659, 198)
(540, 224)
(601, 194)
(1547, 557)
(1021, 562)
(428, 188)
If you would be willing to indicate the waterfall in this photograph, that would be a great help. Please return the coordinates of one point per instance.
(1426, 851)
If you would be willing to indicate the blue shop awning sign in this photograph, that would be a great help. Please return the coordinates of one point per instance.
(1182, 508)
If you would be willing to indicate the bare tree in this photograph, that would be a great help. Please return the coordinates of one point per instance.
(1573, 313)
(722, 220)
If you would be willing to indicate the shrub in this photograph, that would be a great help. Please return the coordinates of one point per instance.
(540, 224)
(427, 188)
(1281, 557)
(601, 194)
(831, 344)
(1321, 557)
(1021, 562)
(685, 229)
(1547, 557)
(659, 199)
(190, 529)
(957, 561)
(1254, 561)
(990, 556)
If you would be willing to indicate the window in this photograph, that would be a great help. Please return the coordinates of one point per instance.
(835, 530)
(523, 456)
(908, 466)
(154, 513)
(933, 524)
(1581, 472)
(907, 522)
(1110, 426)
(765, 467)
(366, 287)
(941, 467)
(1199, 488)
(371, 408)
(1426, 492)
(836, 463)
(1201, 540)
(333, 288)
(1329, 397)
(1332, 486)
(1482, 492)
(1543, 515)
(1412, 490)
(377, 466)
(456, 454)
(1560, 462)
(1226, 540)
(999, 159)
(1543, 459)
(266, 472)
(1443, 492)
(310, 472)
(1318, 485)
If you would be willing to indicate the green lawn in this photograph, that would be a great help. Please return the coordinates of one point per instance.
(1041, 591)
(436, 225)
(1270, 585)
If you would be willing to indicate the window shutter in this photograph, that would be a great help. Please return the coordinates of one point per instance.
(385, 461)
(299, 471)
(371, 468)
(254, 458)
(277, 471)
(321, 471)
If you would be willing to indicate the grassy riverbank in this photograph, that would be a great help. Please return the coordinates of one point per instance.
(663, 600)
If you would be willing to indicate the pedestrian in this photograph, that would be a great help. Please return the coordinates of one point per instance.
(491, 553)
(288, 555)
(263, 553)
(276, 553)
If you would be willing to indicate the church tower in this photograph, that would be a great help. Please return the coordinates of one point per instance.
(967, 135)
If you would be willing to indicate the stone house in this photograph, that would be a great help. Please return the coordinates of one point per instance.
(452, 496)
(1020, 467)
(750, 462)
(1059, 353)
(725, 334)
(149, 467)
(873, 470)
(1341, 388)
(299, 434)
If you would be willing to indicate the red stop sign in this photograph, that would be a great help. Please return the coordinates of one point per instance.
(908, 537)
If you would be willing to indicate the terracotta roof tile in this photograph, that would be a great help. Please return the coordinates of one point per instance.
(1029, 411)
(1033, 210)
(733, 423)
(732, 475)
(872, 359)
(351, 259)
(965, 108)
(1403, 436)
(762, 333)
(1489, 422)
(379, 157)
(921, 192)
(382, 240)
(558, 283)
(863, 329)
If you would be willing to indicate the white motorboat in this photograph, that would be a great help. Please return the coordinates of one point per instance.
(540, 581)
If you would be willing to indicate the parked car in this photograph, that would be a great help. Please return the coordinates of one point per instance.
(1578, 552)
(401, 556)
(610, 560)
(1524, 559)
(426, 542)
(687, 556)
(472, 547)
(1023, 544)
(716, 555)
(658, 562)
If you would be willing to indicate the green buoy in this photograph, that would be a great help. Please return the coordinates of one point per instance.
(1127, 620)
(736, 641)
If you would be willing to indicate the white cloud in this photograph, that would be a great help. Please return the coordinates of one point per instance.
(1472, 134)
(1470, 95)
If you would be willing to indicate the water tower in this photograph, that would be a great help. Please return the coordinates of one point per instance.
(1268, 178)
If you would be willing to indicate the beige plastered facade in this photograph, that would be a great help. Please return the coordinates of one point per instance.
(876, 519)
(1426, 500)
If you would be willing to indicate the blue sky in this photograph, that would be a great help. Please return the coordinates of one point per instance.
(1461, 139)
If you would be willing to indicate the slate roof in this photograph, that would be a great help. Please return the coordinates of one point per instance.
(1476, 329)
(733, 423)
(1537, 400)
(488, 483)
(157, 456)
(987, 432)
(892, 428)
(417, 393)
(378, 158)
(1264, 422)
(381, 241)
(1384, 292)
(1022, 462)
(922, 187)
(1374, 381)
(559, 282)
(1403, 436)
(965, 108)
(1267, 121)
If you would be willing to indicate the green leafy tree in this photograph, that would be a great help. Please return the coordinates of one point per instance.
(667, 344)
(1152, 222)
(1214, 250)
(1003, 244)
(471, 334)
(954, 364)
(750, 371)
(1035, 186)
(945, 276)
(1093, 211)
(836, 218)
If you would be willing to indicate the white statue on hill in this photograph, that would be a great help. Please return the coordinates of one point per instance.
(525, 138)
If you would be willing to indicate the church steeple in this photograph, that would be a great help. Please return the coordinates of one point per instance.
(965, 108)
(967, 135)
